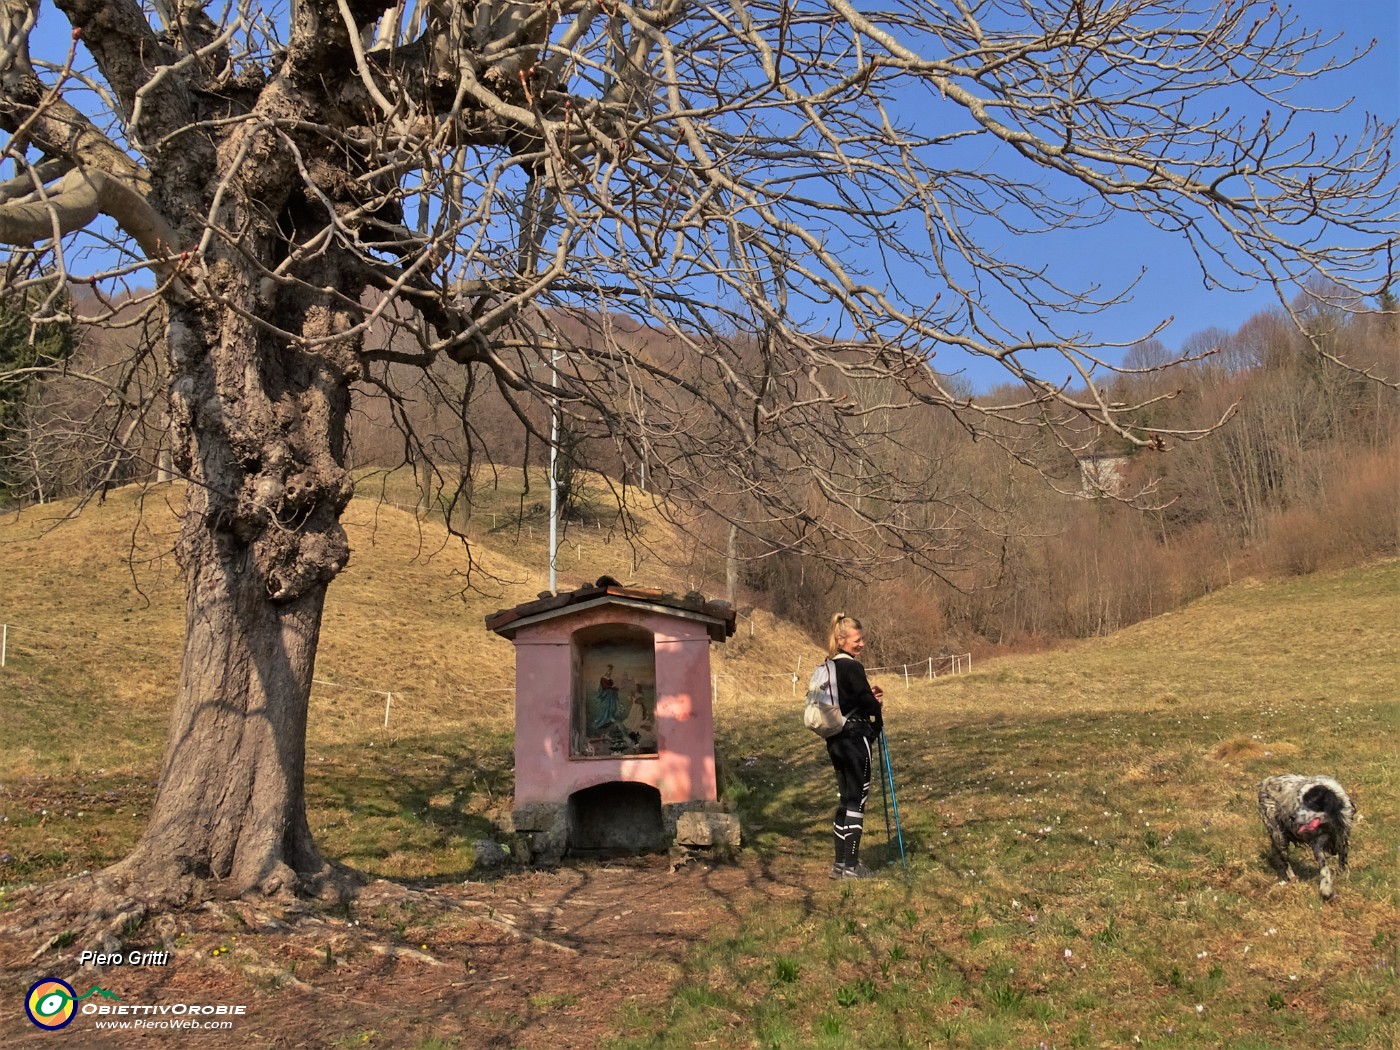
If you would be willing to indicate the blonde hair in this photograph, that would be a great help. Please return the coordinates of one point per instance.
(841, 625)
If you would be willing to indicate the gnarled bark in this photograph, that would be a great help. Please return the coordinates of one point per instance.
(231, 803)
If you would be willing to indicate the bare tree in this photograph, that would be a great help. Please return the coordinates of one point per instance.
(793, 197)
(80, 409)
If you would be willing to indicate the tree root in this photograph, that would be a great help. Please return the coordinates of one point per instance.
(101, 912)
(87, 912)
(393, 952)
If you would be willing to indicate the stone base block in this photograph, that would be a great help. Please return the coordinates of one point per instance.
(545, 828)
(708, 829)
(701, 825)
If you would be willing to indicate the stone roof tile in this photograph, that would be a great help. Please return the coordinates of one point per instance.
(606, 586)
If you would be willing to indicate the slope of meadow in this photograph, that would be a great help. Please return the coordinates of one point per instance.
(1085, 866)
(94, 607)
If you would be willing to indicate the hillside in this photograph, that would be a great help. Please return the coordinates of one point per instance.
(95, 611)
(1085, 864)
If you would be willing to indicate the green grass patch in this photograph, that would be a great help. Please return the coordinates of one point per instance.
(1087, 867)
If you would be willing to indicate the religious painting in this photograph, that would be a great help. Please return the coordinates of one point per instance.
(614, 709)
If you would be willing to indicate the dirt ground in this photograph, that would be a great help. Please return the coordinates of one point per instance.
(532, 959)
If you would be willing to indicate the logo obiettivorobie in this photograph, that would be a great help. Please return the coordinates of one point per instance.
(52, 1004)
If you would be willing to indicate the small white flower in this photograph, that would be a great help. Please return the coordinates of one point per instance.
(1200, 1009)
(1202, 955)
(1068, 953)
(1292, 976)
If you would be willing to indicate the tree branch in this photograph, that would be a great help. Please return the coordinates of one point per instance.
(78, 198)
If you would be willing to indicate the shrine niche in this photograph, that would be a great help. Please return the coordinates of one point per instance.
(614, 710)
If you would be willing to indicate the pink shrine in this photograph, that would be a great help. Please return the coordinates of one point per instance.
(614, 723)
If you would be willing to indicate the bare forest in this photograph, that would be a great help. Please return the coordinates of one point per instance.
(1061, 546)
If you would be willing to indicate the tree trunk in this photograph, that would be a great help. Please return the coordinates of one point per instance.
(731, 566)
(231, 805)
(460, 510)
(261, 428)
(165, 467)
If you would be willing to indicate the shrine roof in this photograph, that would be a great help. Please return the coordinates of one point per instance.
(719, 616)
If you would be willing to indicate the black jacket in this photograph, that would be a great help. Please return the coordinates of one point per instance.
(853, 690)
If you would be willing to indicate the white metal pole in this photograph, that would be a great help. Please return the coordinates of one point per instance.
(642, 426)
(388, 699)
(4, 643)
(553, 470)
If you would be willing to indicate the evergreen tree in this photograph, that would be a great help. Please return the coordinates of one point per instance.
(26, 347)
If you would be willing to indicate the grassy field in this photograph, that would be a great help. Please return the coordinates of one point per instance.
(1086, 867)
(94, 609)
(1086, 863)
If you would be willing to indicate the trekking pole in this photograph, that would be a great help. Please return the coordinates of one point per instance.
(884, 797)
(894, 799)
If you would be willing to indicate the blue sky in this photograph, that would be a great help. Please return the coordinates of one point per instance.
(1172, 290)
(1173, 287)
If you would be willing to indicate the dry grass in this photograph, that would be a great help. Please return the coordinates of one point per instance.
(1240, 750)
(101, 590)
(1088, 868)
(1086, 864)
(95, 605)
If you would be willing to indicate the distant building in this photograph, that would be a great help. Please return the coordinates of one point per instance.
(1102, 474)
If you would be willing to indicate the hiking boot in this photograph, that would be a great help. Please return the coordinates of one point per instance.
(860, 871)
(837, 871)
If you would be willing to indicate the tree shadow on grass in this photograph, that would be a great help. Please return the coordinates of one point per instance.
(423, 795)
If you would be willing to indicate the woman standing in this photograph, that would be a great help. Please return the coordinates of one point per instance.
(850, 749)
(607, 702)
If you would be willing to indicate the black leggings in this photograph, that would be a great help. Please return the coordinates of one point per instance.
(850, 757)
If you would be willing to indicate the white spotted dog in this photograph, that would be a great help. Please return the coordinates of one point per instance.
(1311, 811)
